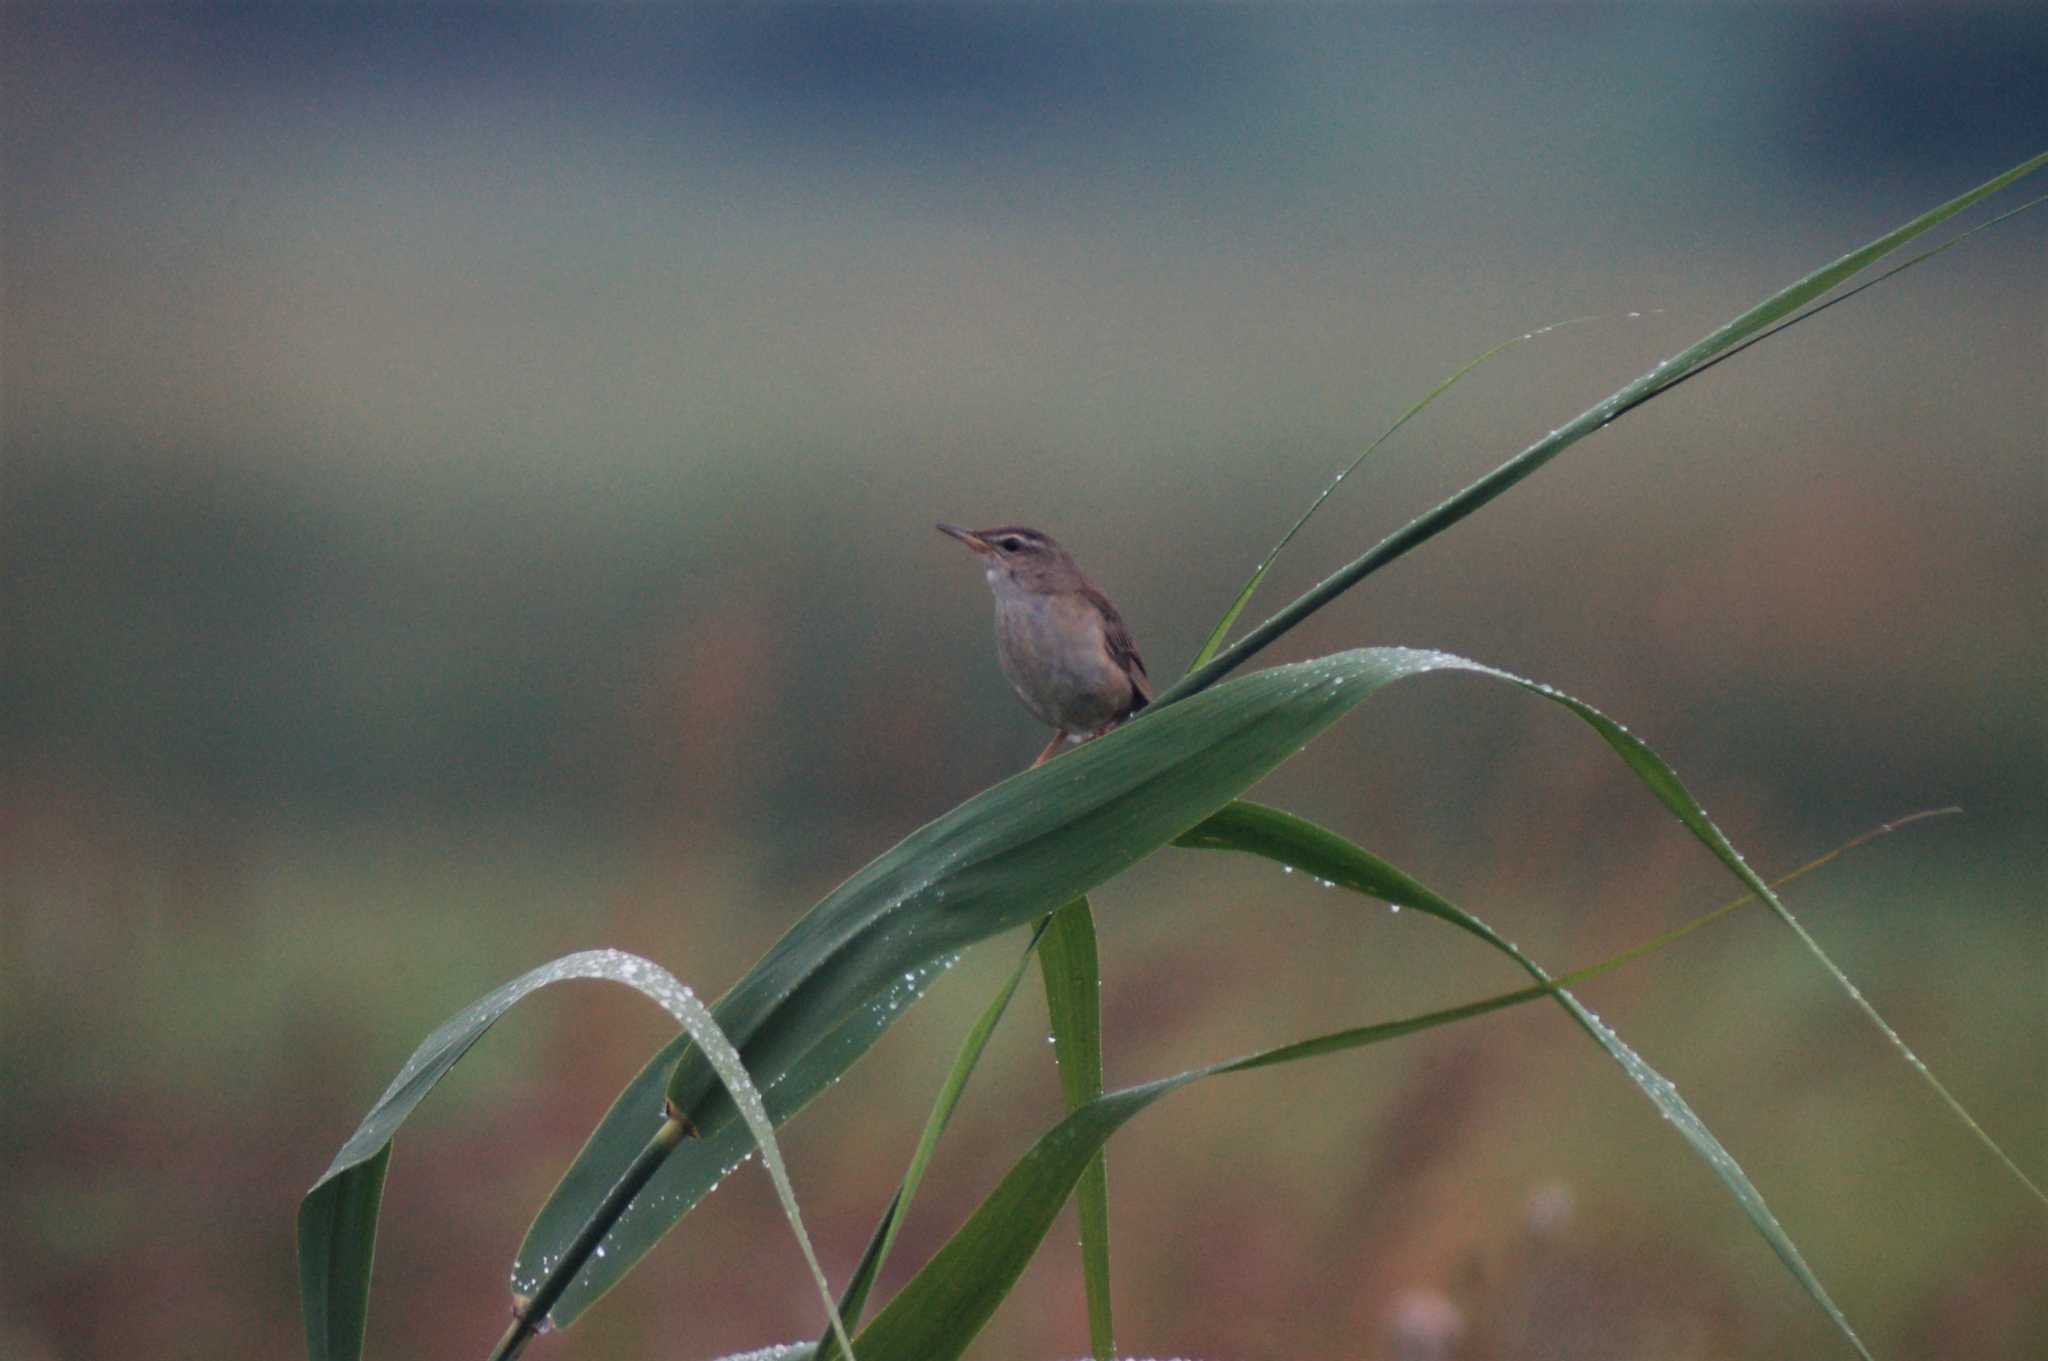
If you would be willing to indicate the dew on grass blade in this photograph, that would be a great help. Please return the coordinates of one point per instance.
(695, 1018)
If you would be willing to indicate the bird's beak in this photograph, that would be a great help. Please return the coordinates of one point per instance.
(968, 537)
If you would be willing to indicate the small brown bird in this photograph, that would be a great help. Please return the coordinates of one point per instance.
(1060, 641)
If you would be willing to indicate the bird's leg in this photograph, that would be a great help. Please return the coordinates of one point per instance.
(1052, 749)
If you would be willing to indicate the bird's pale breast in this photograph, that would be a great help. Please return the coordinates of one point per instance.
(1052, 650)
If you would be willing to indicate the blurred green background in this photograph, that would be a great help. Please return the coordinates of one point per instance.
(468, 493)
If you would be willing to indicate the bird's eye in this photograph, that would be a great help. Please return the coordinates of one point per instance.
(1009, 543)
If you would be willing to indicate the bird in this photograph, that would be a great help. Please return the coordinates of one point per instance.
(1060, 641)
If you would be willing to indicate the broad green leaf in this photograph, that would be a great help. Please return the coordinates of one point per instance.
(825, 992)
(1073, 997)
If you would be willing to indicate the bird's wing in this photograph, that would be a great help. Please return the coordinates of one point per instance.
(1116, 635)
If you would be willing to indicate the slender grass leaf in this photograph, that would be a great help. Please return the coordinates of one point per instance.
(337, 1226)
(1289, 840)
(854, 1302)
(1297, 844)
(941, 1310)
(1525, 464)
(337, 1242)
(938, 1313)
(1900, 268)
(945, 1305)
(338, 1218)
(1214, 641)
(1073, 997)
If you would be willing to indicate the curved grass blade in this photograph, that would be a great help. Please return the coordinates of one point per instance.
(1237, 827)
(738, 1084)
(939, 1312)
(854, 1302)
(337, 1243)
(337, 1224)
(1662, 781)
(1073, 997)
(1289, 840)
(1251, 585)
(621, 1136)
(1631, 395)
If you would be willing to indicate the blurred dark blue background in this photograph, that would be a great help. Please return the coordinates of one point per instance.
(468, 492)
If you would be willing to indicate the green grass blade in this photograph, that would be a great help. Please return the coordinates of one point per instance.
(854, 1302)
(337, 1241)
(939, 1312)
(622, 1133)
(1900, 268)
(1290, 840)
(1662, 781)
(337, 1226)
(1073, 997)
(1214, 641)
(1496, 483)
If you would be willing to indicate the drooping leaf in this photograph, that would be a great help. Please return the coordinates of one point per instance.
(941, 1310)
(337, 1225)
